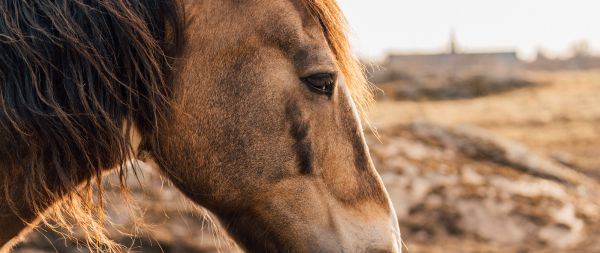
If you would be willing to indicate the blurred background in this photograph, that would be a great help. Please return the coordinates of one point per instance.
(489, 137)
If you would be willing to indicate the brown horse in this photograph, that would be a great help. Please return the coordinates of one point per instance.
(250, 107)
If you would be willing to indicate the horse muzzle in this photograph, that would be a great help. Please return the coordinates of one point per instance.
(355, 236)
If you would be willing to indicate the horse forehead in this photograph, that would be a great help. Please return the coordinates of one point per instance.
(286, 23)
(289, 21)
(285, 7)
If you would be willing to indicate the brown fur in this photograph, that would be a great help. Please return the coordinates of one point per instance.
(285, 169)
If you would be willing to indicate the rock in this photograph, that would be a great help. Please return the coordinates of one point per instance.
(567, 232)
(492, 221)
(466, 183)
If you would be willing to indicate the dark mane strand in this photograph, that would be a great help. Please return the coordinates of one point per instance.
(73, 75)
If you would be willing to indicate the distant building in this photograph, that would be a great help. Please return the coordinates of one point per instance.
(454, 63)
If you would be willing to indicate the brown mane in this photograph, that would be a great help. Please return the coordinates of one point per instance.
(335, 28)
(74, 76)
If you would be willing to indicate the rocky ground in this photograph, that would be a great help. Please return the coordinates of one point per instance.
(559, 117)
(510, 172)
(513, 172)
(161, 220)
(467, 190)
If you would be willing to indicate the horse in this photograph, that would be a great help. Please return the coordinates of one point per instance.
(253, 109)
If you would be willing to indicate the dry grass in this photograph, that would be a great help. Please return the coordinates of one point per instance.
(559, 118)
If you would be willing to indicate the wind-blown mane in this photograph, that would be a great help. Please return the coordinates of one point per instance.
(74, 76)
(335, 28)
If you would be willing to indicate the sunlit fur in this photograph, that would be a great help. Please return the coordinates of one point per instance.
(77, 76)
(73, 74)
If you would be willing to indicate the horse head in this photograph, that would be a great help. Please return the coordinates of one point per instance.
(266, 132)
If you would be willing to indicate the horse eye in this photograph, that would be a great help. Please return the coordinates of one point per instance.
(322, 83)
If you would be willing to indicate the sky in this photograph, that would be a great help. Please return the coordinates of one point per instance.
(381, 26)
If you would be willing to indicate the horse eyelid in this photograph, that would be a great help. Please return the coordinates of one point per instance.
(321, 83)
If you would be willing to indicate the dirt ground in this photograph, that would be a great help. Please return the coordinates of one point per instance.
(559, 118)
